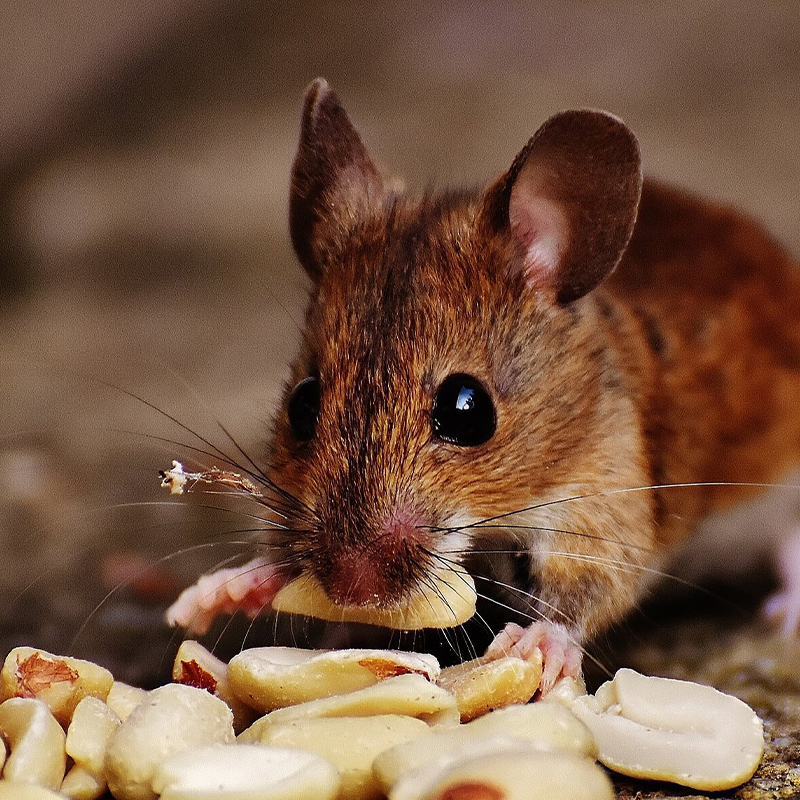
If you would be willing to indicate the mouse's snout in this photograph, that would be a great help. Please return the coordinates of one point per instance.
(384, 565)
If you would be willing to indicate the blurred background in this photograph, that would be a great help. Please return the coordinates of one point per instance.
(145, 151)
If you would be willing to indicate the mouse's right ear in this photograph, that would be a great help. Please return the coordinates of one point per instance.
(569, 202)
(333, 178)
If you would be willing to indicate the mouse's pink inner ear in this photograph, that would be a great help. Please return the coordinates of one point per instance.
(333, 179)
(569, 202)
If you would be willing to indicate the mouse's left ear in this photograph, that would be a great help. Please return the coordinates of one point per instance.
(569, 202)
(333, 179)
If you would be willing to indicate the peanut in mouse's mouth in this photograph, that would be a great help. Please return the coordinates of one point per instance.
(447, 599)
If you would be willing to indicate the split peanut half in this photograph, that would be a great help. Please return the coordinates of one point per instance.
(408, 695)
(195, 666)
(485, 683)
(80, 784)
(267, 678)
(351, 744)
(447, 600)
(546, 726)
(524, 773)
(36, 743)
(673, 730)
(172, 719)
(59, 681)
(93, 724)
(246, 772)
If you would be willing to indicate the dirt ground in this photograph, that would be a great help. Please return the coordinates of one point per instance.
(147, 285)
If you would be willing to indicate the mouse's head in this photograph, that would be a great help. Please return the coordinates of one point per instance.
(448, 371)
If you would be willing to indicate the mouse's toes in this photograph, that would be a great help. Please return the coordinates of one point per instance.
(561, 655)
(249, 588)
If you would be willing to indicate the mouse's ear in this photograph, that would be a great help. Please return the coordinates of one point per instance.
(569, 202)
(332, 177)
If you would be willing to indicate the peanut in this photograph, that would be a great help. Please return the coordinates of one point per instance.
(448, 601)
(267, 678)
(36, 741)
(173, 719)
(59, 681)
(673, 730)
(246, 772)
(524, 773)
(485, 684)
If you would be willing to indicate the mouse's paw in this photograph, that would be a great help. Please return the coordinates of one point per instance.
(249, 588)
(561, 655)
(783, 607)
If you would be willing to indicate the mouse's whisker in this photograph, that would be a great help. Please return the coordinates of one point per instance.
(202, 400)
(567, 532)
(540, 616)
(216, 451)
(627, 490)
(212, 451)
(530, 599)
(198, 547)
(533, 613)
(432, 583)
(633, 568)
(231, 484)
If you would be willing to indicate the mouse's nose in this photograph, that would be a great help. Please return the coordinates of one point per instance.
(382, 569)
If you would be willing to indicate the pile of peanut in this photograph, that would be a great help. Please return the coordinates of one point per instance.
(355, 724)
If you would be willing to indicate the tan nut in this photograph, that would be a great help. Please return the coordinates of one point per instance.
(484, 684)
(172, 719)
(123, 698)
(59, 681)
(350, 744)
(673, 730)
(565, 690)
(93, 724)
(80, 784)
(446, 600)
(246, 772)
(36, 741)
(267, 678)
(408, 695)
(522, 774)
(11, 790)
(195, 666)
(547, 726)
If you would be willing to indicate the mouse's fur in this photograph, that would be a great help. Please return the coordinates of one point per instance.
(681, 367)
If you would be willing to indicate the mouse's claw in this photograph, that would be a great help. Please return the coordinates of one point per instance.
(560, 652)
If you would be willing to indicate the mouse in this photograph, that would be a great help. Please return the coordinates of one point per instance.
(551, 380)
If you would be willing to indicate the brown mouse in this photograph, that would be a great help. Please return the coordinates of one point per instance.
(552, 380)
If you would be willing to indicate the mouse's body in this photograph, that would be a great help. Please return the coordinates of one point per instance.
(717, 302)
(478, 384)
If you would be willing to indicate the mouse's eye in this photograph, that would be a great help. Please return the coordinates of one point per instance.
(303, 409)
(463, 412)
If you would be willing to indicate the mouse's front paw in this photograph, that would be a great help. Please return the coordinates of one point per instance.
(560, 653)
(249, 588)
